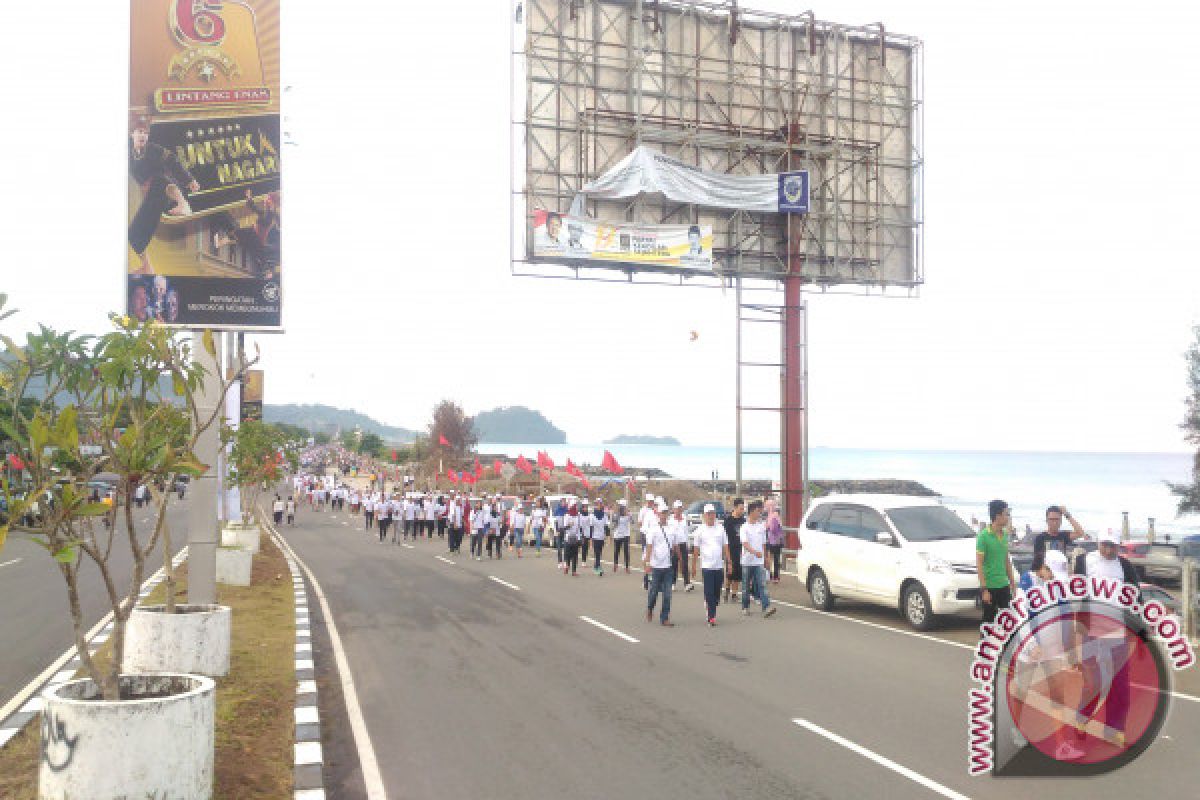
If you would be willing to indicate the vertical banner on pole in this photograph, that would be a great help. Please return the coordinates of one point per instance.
(205, 164)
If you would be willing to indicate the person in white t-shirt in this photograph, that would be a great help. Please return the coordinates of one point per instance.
(657, 558)
(369, 511)
(572, 533)
(538, 524)
(709, 554)
(277, 509)
(479, 525)
(383, 517)
(621, 525)
(598, 528)
(290, 509)
(517, 524)
(677, 529)
(648, 515)
(754, 572)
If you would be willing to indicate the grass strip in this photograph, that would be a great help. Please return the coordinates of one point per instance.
(254, 720)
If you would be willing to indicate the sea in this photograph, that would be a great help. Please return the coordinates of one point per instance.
(1096, 487)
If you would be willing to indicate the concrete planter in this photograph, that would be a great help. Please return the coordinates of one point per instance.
(195, 640)
(238, 535)
(157, 743)
(234, 566)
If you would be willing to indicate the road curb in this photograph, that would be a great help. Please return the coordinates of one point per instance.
(27, 703)
(308, 782)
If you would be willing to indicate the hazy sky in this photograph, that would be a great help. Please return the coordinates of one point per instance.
(1062, 280)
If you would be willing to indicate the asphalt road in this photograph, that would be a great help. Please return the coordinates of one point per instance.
(35, 621)
(475, 688)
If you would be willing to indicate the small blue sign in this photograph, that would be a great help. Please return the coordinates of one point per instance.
(793, 192)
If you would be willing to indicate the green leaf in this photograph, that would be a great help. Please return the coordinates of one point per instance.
(209, 345)
(66, 555)
(92, 510)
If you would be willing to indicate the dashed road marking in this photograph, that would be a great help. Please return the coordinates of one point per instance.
(916, 777)
(512, 586)
(613, 631)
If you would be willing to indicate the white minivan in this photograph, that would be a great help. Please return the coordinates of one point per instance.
(909, 553)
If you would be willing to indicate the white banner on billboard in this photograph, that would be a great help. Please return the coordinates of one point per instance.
(647, 170)
(567, 236)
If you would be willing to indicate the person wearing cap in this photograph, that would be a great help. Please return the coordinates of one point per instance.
(709, 554)
(647, 516)
(992, 562)
(572, 534)
(599, 530)
(656, 558)
(754, 572)
(1112, 708)
(622, 524)
(677, 529)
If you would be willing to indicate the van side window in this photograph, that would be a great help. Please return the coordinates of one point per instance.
(844, 521)
(873, 523)
(818, 516)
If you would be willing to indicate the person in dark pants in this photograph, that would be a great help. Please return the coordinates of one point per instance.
(733, 535)
(992, 562)
(622, 526)
(572, 534)
(710, 552)
(658, 567)
(585, 529)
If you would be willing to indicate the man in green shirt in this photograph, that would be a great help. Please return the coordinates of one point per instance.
(992, 563)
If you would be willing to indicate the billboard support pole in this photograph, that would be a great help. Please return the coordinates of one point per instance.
(794, 463)
(202, 511)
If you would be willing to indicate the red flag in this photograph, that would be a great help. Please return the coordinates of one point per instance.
(443, 441)
(395, 456)
(544, 475)
(478, 469)
(524, 465)
(497, 465)
(15, 462)
(573, 470)
(611, 464)
(544, 461)
(584, 480)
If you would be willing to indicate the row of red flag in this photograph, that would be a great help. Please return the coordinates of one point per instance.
(544, 464)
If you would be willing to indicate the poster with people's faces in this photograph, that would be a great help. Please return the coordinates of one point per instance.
(205, 224)
(562, 236)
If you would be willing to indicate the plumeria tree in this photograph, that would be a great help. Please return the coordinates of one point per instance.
(122, 406)
(259, 455)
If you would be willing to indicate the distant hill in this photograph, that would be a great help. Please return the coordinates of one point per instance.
(624, 438)
(517, 425)
(330, 419)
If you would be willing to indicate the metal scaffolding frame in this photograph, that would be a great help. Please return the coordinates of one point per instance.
(729, 90)
(738, 91)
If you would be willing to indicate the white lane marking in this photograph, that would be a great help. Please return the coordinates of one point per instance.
(613, 631)
(916, 777)
(888, 628)
(14, 561)
(443, 558)
(514, 587)
(372, 779)
(409, 546)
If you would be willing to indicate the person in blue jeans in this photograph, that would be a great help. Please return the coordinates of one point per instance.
(658, 567)
(754, 573)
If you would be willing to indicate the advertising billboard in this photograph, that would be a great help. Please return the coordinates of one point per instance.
(252, 395)
(205, 157)
(564, 236)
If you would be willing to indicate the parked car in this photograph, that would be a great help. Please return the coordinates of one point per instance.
(1152, 592)
(693, 513)
(1162, 562)
(908, 553)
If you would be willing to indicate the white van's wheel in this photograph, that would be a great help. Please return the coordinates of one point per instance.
(916, 608)
(822, 598)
